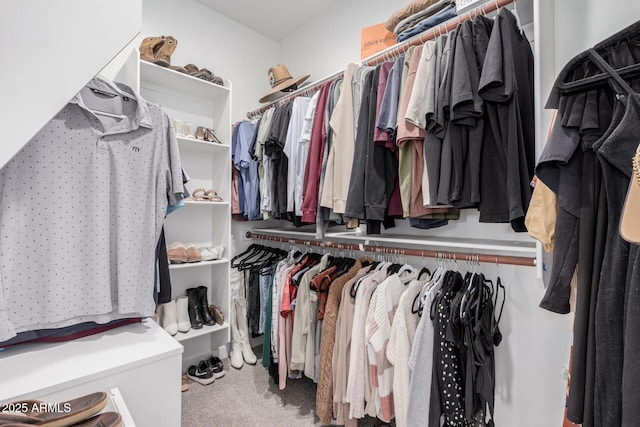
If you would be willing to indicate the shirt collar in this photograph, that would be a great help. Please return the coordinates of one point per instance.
(140, 118)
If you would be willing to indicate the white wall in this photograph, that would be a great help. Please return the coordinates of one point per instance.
(332, 40)
(42, 53)
(213, 41)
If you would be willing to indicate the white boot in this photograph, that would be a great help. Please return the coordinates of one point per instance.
(182, 308)
(170, 317)
(236, 350)
(241, 313)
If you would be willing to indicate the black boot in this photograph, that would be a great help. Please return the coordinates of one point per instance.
(204, 305)
(195, 313)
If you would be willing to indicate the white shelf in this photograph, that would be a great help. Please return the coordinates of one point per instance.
(205, 330)
(48, 367)
(184, 83)
(201, 203)
(197, 264)
(197, 145)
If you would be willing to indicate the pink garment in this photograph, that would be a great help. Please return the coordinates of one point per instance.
(314, 159)
(381, 136)
(406, 129)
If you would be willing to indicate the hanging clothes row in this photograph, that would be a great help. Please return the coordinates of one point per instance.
(585, 168)
(374, 334)
(446, 126)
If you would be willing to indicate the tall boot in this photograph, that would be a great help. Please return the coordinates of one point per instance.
(149, 48)
(204, 306)
(163, 58)
(169, 317)
(236, 347)
(195, 314)
(243, 327)
(182, 306)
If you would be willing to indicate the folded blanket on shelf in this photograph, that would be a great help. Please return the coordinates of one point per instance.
(414, 7)
(414, 19)
(428, 23)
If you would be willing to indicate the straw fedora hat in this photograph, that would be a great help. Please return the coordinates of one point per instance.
(280, 79)
(630, 222)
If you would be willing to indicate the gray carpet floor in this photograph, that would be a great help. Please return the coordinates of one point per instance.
(249, 397)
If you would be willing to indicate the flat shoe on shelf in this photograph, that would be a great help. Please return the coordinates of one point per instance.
(198, 195)
(193, 254)
(177, 253)
(213, 196)
(65, 414)
(217, 314)
(210, 254)
(106, 419)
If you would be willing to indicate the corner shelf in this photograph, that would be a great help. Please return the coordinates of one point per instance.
(198, 264)
(201, 203)
(166, 77)
(205, 330)
(198, 145)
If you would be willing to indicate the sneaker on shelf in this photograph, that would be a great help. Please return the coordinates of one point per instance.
(201, 374)
(216, 366)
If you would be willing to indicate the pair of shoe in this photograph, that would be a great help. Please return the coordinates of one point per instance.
(203, 74)
(202, 195)
(198, 307)
(174, 315)
(206, 134)
(80, 412)
(158, 50)
(206, 371)
(210, 254)
(180, 253)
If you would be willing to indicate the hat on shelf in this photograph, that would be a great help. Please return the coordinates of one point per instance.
(630, 222)
(280, 79)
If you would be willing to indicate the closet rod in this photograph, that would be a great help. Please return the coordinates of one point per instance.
(390, 53)
(461, 256)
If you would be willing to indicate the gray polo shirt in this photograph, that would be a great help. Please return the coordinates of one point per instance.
(81, 208)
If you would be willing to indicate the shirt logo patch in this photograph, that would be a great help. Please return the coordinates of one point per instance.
(136, 149)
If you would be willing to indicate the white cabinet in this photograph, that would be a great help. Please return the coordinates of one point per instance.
(208, 164)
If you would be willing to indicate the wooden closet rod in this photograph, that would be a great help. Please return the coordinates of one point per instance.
(389, 53)
(462, 256)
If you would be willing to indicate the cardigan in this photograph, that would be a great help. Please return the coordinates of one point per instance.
(324, 392)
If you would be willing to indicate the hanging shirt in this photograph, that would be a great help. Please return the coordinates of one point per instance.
(98, 191)
(292, 149)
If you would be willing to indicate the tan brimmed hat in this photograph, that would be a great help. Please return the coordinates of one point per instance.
(630, 222)
(280, 79)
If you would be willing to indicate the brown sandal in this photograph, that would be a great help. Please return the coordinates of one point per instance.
(213, 196)
(198, 195)
(201, 133)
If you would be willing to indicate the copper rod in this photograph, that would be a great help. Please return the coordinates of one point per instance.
(461, 256)
(392, 52)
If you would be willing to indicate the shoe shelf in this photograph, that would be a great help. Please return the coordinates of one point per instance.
(162, 76)
(204, 203)
(205, 330)
(197, 264)
(202, 223)
(186, 143)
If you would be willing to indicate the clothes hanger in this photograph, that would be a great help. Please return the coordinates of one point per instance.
(590, 82)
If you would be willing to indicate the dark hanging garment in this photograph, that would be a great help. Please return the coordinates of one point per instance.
(506, 85)
(604, 380)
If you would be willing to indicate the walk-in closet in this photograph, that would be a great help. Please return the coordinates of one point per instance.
(294, 213)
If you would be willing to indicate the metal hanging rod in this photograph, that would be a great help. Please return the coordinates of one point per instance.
(462, 256)
(389, 53)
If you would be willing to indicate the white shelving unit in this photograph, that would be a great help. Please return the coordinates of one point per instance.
(140, 359)
(202, 223)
